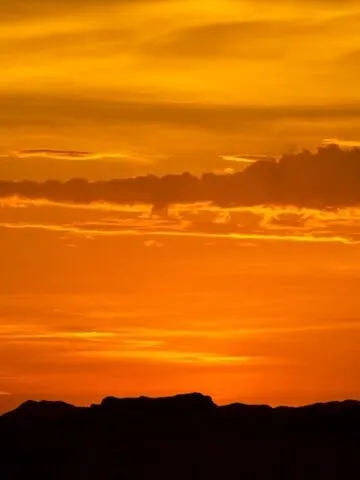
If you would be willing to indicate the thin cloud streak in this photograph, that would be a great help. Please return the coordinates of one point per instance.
(88, 232)
(149, 337)
(171, 356)
(77, 155)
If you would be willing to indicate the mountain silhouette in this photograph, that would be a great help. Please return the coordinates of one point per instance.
(181, 437)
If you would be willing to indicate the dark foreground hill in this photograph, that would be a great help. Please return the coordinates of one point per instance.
(182, 437)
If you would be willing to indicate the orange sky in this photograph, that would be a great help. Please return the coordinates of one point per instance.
(172, 85)
(257, 303)
(100, 299)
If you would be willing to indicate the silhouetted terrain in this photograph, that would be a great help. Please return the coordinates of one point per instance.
(182, 437)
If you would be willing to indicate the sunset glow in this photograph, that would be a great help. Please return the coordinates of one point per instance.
(226, 260)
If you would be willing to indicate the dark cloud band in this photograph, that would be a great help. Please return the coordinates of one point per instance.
(328, 178)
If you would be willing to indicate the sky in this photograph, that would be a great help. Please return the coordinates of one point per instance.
(224, 257)
(167, 86)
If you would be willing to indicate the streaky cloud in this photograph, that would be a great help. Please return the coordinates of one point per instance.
(77, 155)
(327, 178)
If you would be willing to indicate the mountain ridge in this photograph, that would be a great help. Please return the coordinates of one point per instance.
(183, 399)
(185, 436)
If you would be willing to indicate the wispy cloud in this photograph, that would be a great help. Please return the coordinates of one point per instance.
(207, 221)
(342, 143)
(172, 356)
(247, 159)
(149, 345)
(153, 244)
(265, 236)
(78, 155)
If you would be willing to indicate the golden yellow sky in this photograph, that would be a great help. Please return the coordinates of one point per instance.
(254, 300)
(175, 83)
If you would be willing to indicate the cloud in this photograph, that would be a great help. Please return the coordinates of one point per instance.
(247, 159)
(86, 336)
(76, 155)
(137, 343)
(153, 244)
(302, 197)
(328, 178)
(140, 111)
(265, 236)
(200, 221)
(172, 356)
(191, 135)
(351, 144)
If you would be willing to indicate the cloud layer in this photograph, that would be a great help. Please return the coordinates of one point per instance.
(329, 178)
